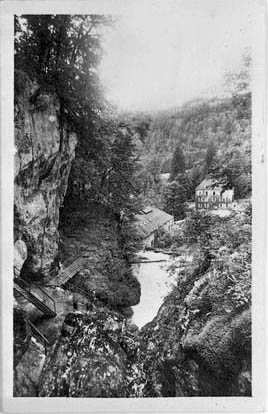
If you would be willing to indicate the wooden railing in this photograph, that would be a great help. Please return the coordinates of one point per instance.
(76, 289)
(36, 295)
(39, 336)
(67, 273)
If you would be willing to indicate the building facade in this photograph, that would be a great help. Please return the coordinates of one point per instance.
(210, 195)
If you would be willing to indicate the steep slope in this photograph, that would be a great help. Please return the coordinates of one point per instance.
(226, 123)
(214, 137)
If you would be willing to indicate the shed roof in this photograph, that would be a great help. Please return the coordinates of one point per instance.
(148, 222)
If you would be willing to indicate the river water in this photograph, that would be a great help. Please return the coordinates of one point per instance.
(155, 285)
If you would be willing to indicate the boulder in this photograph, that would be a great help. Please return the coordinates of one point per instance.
(20, 255)
(88, 360)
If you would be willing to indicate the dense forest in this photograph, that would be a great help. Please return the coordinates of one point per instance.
(204, 137)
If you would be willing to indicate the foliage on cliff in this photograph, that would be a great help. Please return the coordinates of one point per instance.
(199, 344)
(225, 245)
(60, 54)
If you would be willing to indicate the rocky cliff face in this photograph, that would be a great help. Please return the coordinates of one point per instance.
(194, 349)
(44, 150)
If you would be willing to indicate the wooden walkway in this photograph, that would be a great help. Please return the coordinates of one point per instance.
(42, 300)
(66, 274)
(35, 295)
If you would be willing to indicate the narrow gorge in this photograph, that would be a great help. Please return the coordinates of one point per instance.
(93, 348)
(123, 285)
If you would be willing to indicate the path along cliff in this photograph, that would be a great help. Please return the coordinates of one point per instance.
(46, 234)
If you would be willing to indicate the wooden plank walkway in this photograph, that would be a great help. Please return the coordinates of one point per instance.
(69, 272)
(38, 297)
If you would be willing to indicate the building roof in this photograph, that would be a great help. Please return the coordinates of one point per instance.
(150, 219)
(208, 183)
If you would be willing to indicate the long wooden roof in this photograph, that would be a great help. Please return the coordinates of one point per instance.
(150, 219)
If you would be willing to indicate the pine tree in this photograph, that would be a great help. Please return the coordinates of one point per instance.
(177, 164)
(175, 197)
(209, 158)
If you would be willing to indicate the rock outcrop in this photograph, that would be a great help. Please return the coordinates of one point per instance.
(21, 333)
(20, 255)
(193, 349)
(44, 152)
(88, 360)
(28, 370)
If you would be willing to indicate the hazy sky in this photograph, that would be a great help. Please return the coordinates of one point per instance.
(158, 57)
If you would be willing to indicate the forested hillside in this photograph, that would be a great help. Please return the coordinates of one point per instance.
(212, 137)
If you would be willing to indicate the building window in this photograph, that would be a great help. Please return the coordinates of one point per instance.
(213, 192)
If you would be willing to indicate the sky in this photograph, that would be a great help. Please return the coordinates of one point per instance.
(157, 57)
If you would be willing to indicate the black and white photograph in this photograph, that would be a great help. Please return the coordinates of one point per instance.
(132, 201)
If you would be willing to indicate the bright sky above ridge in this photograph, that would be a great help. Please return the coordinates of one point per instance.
(158, 57)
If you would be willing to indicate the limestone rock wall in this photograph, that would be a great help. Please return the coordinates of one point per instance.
(185, 351)
(44, 151)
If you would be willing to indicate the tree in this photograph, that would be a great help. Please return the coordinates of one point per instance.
(61, 53)
(195, 177)
(177, 163)
(184, 181)
(238, 85)
(239, 82)
(120, 178)
(210, 156)
(175, 197)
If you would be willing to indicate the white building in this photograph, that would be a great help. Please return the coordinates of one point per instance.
(210, 195)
